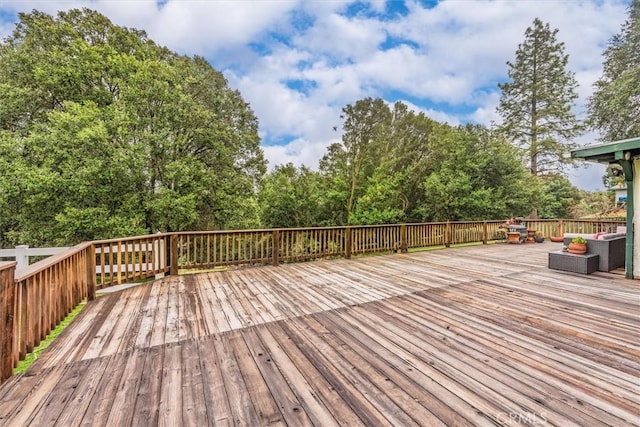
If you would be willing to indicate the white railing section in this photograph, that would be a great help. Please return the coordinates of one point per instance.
(22, 253)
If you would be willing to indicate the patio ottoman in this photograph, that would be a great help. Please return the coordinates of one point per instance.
(564, 261)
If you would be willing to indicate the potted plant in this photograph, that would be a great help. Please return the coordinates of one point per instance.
(578, 245)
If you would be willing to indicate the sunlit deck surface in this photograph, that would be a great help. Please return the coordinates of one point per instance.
(482, 335)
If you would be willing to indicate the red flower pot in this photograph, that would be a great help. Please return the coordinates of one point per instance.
(577, 248)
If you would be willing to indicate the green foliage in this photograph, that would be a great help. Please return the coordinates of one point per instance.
(614, 108)
(104, 134)
(380, 203)
(479, 176)
(290, 197)
(376, 172)
(396, 165)
(536, 104)
(557, 198)
(592, 204)
(75, 186)
(579, 240)
(355, 159)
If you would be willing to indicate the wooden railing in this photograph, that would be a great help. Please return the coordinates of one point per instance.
(35, 299)
(132, 259)
(46, 292)
(22, 254)
(559, 227)
(7, 301)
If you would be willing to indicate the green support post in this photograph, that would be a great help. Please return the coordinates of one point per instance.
(630, 232)
(626, 162)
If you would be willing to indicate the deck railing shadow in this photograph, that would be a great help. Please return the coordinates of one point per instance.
(34, 299)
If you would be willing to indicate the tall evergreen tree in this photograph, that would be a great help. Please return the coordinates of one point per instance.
(536, 104)
(614, 108)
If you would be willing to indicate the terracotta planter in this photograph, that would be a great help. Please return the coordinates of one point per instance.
(556, 238)
(513, 237)
(577, 248)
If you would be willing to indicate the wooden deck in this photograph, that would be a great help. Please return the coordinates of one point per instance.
(483, 335)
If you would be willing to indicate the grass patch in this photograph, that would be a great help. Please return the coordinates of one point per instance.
(203, 270)
(31, 357)
(453, 245)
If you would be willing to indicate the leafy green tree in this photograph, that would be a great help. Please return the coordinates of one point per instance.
(335, 183)
(535, 105)
(412, 151)
(381, 202)
(360, 149)
(384, 147)
(290, 197)
(478, 176)
(614, 108)
(112, 135)
(412, 168)
(558, 197)
(593, 204)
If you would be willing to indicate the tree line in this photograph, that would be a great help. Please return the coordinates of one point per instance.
(103, 133)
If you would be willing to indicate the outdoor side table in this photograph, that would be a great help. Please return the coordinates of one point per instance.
(564, 261)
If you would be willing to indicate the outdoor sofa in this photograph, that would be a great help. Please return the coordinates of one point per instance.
(609, 246)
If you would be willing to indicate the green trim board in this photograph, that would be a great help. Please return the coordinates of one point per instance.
(609, 152)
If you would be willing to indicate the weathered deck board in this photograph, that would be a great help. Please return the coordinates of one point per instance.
(482, 335)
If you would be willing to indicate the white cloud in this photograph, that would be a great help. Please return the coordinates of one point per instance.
(283, 111)
(403, 69)
(440, 116)
(342, 38)
(299, 152)
(5, 30)
(206, 26)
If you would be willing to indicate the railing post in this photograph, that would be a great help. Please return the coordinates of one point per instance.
(91, 272)
(22, 259)
(347, 242)
(173, 254)
(7, 304)
(560, 228)
(119, 262)
(484, 233)
(447, 235)
(403, 238)
(276, 247)
(158, 255)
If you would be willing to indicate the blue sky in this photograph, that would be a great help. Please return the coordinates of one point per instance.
(298, 63)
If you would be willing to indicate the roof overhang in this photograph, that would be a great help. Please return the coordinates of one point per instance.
(611, 152)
